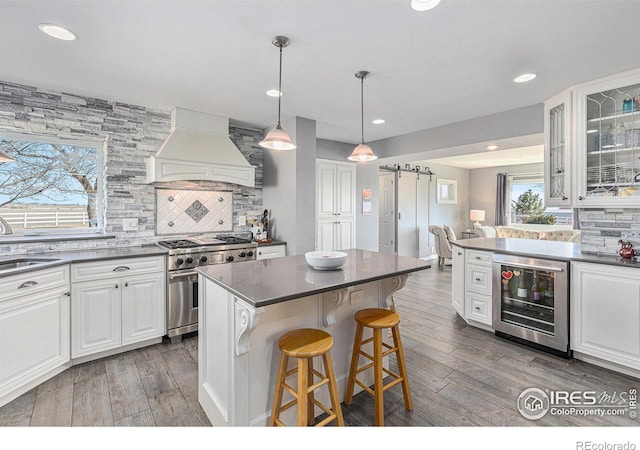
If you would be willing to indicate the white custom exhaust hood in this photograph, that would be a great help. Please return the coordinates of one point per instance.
(199, 148)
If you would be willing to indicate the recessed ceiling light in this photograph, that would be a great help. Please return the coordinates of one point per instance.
(424, 5)
(525, 77)
(378, 121)
(492, 147)
(274, 93)
(58, 32)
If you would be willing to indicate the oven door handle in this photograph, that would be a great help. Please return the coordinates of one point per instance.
(182, 274)
(530, 266)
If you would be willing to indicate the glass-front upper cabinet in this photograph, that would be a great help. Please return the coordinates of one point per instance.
(608, 142)
(557, 150)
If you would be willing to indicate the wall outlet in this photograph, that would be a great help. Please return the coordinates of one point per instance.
(356, 297)
(130, 224)
(242, 220)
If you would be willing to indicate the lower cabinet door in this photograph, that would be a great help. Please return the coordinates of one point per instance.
(95, 316)
(34, 339)
(143, 307)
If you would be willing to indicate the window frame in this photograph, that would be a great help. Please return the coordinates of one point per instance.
(100, 144)
(533, 177)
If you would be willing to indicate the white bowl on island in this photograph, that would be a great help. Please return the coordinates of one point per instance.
(325, 260)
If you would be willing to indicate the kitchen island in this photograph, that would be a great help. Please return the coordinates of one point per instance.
(246, 307)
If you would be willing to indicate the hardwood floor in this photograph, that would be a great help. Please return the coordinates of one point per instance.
(459, 376)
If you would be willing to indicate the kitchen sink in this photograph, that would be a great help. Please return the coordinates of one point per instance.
(18, 263)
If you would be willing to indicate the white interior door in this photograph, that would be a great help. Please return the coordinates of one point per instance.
(407, 215)
(387, 217)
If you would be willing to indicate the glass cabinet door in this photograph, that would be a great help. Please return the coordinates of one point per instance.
(609, 143)
(557, 150)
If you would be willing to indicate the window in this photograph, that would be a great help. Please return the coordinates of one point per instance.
(527, 204)
(53, 186)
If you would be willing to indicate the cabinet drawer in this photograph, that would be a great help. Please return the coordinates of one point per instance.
(34, 281)
(478, 278)
(478, 307)
(272, 251)
(478, 257)
(98, 270)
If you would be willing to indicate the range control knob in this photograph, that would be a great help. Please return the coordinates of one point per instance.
(242, 254)
(179, 261)
(203, 259)
(189, 260)
(230, 258)
(249, 253)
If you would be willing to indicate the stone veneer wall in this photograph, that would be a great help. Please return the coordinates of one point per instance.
(132, 134)
(601, 229)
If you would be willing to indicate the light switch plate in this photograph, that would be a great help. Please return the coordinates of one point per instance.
(130, 224)
(242, 220)
(356, 297)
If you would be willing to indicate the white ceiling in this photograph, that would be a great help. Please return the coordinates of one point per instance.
(452, 63)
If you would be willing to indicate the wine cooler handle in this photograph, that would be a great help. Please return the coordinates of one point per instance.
(528, 266)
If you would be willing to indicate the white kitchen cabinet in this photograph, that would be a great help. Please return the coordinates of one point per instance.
(558, 148)
(34, 330)
(607, 144)
(125, 304)
(271, 251)
(96, 316)
(457, 280)
(335, 205)
(143, 315)
(478, 286)
(605, 315)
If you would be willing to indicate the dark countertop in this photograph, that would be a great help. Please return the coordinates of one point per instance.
(78, 256)
(272, 243)
(270, 281)
(562, 251)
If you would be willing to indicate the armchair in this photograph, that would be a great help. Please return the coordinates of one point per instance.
(442, 244)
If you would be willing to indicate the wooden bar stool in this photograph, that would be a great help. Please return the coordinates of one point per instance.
(304, 344)
(378, 319)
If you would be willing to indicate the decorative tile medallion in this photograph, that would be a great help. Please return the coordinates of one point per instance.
(196, 211)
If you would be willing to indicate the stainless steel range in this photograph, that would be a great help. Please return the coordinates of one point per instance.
(182, 280)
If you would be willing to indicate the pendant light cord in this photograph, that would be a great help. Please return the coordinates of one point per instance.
(362, 108)
(278, 126)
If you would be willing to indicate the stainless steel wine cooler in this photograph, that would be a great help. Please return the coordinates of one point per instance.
(530, 301)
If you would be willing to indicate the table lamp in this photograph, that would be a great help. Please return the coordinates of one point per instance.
(477, 215)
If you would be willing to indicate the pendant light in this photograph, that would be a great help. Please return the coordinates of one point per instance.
(362, 152)
(5, 158)
(278, 139)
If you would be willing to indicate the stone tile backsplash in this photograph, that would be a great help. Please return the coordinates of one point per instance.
(130, 135)
(602, 228)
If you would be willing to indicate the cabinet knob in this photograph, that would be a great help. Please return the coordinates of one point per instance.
(459, 253)
(67, 294)
(477, 308)
(580, 197)
(478, 279)
(117, 286)
(564, 198)
(477, 257)
(126, 284)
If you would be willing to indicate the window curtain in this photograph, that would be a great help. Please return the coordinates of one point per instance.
(502, 198)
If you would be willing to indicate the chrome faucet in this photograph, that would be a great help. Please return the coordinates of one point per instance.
(5, 228)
